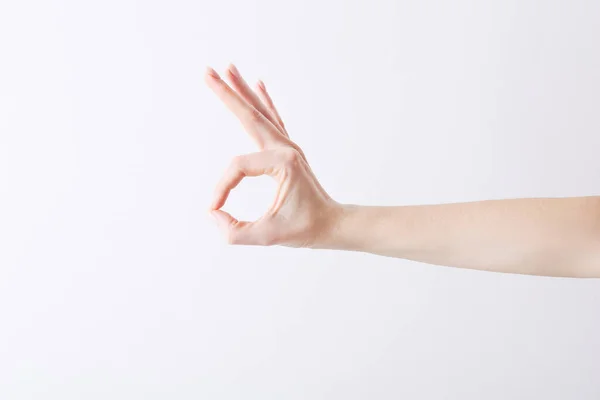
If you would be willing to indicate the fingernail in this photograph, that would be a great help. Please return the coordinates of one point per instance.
(261, 84)
(212, 73)
(234, 70)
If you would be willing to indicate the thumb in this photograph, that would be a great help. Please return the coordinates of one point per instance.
(240, 232)
(223, 219)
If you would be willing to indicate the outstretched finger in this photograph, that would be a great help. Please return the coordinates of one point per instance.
(256, 124)
(241, 86)
(266, 99)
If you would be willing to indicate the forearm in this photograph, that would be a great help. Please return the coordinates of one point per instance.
(554, 237)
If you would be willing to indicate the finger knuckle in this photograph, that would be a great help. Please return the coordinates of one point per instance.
(290, 156)
(298, 149)
(237, 162)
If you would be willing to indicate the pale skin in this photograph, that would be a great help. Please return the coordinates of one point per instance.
(536, 236)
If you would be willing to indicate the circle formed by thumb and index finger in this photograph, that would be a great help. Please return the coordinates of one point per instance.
(254, 164)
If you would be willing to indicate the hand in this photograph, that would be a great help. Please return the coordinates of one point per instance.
(302, 212)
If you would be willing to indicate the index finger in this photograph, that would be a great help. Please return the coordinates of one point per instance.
(258, 127)
(254, 164)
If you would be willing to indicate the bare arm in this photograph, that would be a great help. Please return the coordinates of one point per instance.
(552, 237)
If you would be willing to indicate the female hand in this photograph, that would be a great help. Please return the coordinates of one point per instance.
(302, 211)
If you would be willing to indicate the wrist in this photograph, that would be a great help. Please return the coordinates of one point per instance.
(331, 232)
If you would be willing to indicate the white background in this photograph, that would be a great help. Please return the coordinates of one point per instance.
(115, 284)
